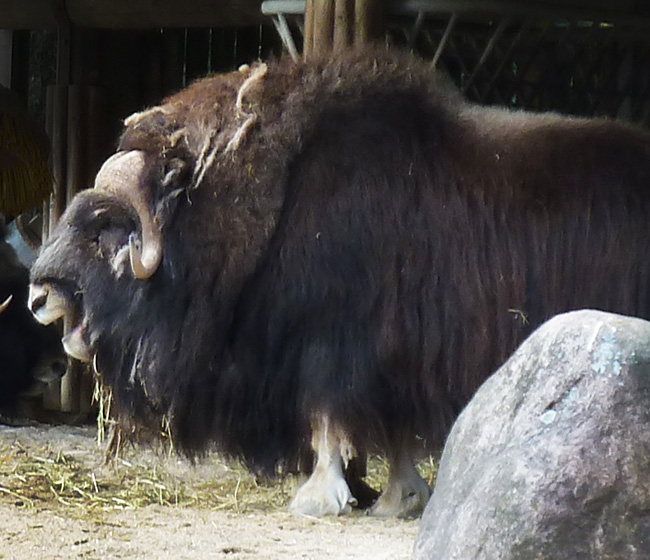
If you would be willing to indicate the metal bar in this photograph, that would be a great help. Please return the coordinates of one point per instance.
(524, 69)
(416, 30)
(283, 30)
(445, 39)
(453, 49)
(290, 7)
(486, 52)
(525, 26)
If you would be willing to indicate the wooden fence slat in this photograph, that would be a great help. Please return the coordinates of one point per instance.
(75, 181)
(323, 26)
(368, 21)
(343, 20)
(308, 41)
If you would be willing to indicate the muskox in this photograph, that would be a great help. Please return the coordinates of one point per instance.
(337, 253)
(31, 355)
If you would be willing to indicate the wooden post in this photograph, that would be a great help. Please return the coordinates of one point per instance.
(308, 41)
(56, 124)
(57, 129)
(343, 22)
(334, 25)
(323, 26)
(98, 143)
(95, 145)
(74, 180)
(75, 176)
(57, 118)
(85, 136)
(368, 21)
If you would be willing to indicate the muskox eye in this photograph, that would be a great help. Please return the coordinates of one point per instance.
(112, 240)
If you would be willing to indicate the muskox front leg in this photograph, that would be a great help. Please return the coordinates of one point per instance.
(406, 493)
(326, 492)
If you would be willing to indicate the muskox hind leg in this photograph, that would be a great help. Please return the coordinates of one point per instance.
(326, 492)
(406, 493)
(355, 473)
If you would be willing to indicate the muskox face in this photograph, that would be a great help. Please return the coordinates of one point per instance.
(101, 271)
(105, 244)
(85, 260)
(30, 354)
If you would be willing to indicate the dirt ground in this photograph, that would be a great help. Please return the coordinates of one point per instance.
(59, 500)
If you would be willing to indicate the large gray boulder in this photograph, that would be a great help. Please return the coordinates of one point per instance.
(551, 458)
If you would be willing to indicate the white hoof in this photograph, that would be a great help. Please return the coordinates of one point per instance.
(321, 496)
(405, 498)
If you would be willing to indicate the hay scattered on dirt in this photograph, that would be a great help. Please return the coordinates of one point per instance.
(31, 477)
(49, 475)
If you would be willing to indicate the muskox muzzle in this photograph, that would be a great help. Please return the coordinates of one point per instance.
(48, 304)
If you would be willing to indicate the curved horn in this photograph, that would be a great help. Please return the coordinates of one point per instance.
(123, 174)
(142, 267)
(5, 303)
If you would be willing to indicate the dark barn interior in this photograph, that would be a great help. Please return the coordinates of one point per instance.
(81, 66)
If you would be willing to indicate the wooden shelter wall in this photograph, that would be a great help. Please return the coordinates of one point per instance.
(112, 74)
(134, 68)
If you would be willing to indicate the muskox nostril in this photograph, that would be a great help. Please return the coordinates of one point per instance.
(37, 298)
(48, 303)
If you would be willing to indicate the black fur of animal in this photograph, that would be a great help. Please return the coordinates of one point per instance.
(346, 237)
(30, 354)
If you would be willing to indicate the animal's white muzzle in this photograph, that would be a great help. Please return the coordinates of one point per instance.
(46, 303)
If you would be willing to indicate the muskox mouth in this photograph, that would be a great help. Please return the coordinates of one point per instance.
(75, 345)
(48, 304)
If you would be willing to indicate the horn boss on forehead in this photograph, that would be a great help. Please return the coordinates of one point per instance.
(125, 174)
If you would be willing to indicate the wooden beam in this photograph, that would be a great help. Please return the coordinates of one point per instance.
(147, 14)
(131, 14)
